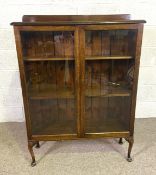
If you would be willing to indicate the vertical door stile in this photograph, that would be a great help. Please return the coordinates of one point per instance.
(82, 78)
(77, 80)
(136, 74)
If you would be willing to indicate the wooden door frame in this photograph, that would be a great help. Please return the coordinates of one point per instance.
(82, 29)
(17, 30)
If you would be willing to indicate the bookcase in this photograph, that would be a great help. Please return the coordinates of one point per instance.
(79, 76)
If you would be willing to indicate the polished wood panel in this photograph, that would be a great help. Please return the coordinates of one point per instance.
(76, 19)
(48, 18)
(74, 136)
(73, 23)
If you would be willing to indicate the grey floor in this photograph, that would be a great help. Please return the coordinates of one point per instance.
(87, 157)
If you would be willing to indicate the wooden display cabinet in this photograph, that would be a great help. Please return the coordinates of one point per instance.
(79, 76)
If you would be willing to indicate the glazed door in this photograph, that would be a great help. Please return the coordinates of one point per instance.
(50, 62)
(108, 68)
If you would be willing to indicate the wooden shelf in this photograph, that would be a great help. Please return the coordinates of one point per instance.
(105, 125)
(69, 127)
(50, 92)
(57, 127)
(46, 59)
(70, 59)
(108, 57)
(111, 92)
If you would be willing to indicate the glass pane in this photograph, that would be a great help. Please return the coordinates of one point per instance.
(48, 44)
(110, 43)
(50, 77)
(109, 66)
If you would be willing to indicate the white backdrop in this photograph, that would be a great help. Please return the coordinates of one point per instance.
(11, 106)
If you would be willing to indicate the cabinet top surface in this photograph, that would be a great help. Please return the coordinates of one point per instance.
(37, 20)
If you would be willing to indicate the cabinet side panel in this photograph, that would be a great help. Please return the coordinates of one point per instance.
(23, 80)
(136, 74)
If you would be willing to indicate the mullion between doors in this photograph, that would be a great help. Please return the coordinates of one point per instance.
(82, 79)
(77, 80)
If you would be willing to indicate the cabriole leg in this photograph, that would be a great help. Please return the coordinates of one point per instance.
(120, 141)
(130, 141)
(37, 144)
(30, 147)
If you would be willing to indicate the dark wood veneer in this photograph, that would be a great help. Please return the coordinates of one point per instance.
(79, 76)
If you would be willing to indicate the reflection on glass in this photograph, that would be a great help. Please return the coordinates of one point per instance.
(48, 44)
(50, 79)
(110, 43)
(50, 82)
(109, 68)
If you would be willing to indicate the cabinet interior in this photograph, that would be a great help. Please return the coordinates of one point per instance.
(47, 44)
(49, 64)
